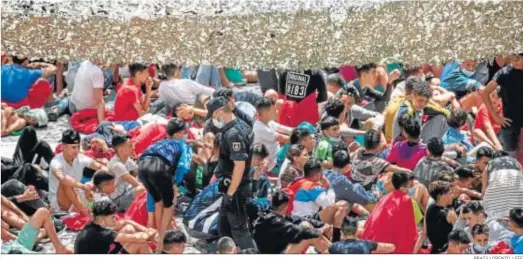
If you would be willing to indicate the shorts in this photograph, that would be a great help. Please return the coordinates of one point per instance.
(27, 236)
(157, 177)
(510, 137)
(124, 201)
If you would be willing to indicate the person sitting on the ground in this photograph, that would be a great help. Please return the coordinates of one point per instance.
(398, 212)
(335, 83)
(408, 153)
(366, 166)
(366, 119)
(344, 189)
(88, 92)
(473, 213)
(315, 198)
(460, 81)
(350, 244)
(458, 242)
(105, 230)
(185, 91)
(502, 184)
(18, 81)
(485, 127)
(428, 168)
(454, 139)
(226, 245)
(464, 183)
(130, 104)
(123, 167)
(66, 175)
(295, 234)
(330, 128)
(480, 240)
(299, 136)
(432, 108)
(32, 229)
(174, 242)
(297, 156)
(440, 219)
(483, 157)
(16, 120)
(516, 226)
(413, 106)
(27, 198)
(261, 187)
(267, 131)
(162, 168)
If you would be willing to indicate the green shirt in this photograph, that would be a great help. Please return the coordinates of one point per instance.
(324, 150)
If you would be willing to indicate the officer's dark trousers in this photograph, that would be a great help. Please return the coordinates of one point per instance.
(233, 219)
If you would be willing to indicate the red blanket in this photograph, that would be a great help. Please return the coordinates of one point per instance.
(392, 221)
(137, 212)
(86, 121)
(293, 113)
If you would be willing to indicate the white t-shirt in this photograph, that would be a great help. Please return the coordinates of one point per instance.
(184, 91)
(88, 77)
(266, 134)
(119, 169)
(75, 171)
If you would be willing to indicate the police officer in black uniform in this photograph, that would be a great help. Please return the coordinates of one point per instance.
(233, 171)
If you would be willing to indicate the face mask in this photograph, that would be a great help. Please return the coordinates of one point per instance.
(423, 77)
(479, 248)
(185, 137)
(467, 73)
(218, 123)
(335, 139)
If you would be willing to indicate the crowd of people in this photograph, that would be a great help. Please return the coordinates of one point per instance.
(363, 159)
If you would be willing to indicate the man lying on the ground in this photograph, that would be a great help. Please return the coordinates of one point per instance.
(15, 120)
(33, 229)
(98, 236)
(67, 172)
(185, 91)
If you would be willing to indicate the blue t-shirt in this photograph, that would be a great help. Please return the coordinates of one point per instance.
(16, 82)
(517, 244)
(167, 149)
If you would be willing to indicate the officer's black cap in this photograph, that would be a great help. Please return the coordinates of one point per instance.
(215, 104)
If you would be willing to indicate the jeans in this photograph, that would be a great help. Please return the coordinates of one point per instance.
(188, 72)
(209, 75)
(62, 106)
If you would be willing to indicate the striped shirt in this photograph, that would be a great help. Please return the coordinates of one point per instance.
(505, 187)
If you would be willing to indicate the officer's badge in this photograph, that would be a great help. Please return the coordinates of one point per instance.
(236, 146)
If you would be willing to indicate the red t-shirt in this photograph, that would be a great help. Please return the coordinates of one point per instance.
(483, 115)
(127, 96)
(145, 136)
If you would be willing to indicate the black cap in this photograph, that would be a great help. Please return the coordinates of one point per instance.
(70, 137)
(119, 139)
(223, 92)
(215, 104)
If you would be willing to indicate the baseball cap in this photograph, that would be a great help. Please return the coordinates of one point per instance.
(70, 137)
(223, 92)
(119, 139)
(215, 104)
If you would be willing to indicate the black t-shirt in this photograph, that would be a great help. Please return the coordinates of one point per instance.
(94, 239)
(511, 82)
(235, 145)
(493, 69)
(438, 229)
(273, 233)
(353, 246)
(297, 85)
